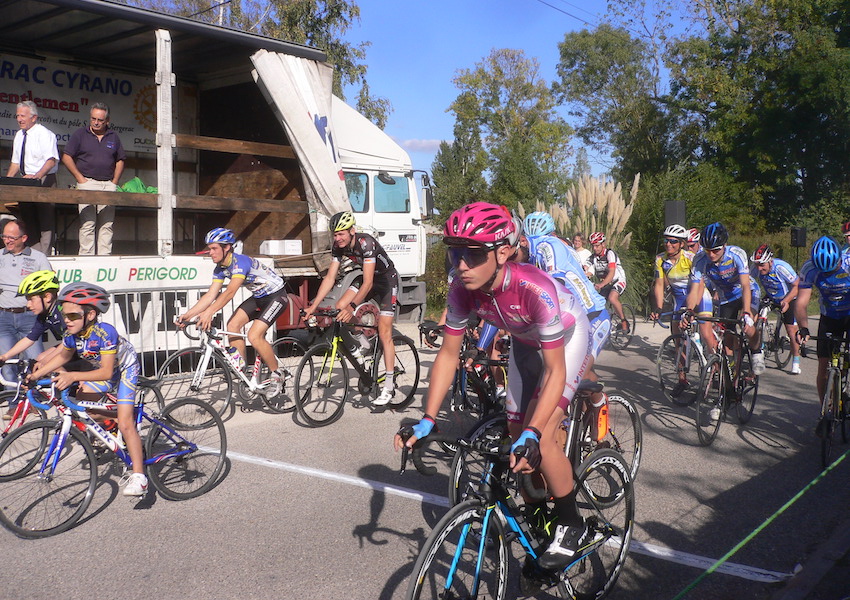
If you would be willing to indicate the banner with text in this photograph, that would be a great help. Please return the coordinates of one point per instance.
(65, 93)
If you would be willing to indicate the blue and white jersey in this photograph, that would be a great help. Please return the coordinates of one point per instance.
(551, 254)
(724, 276)
(834, 287)
(778, 281)
(260, 280)
(100, 339)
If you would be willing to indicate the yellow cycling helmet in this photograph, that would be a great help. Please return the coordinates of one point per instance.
(38, 282)
(342, 221)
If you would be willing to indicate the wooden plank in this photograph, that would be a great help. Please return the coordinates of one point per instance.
(200, 142)
(14, 193)
(187, 202)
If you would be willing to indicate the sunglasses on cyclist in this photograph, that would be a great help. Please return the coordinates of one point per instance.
(473, 256)
(692, 245)
(72, 316)
(672, 241)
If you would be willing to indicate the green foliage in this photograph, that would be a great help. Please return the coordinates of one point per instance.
(436, 280)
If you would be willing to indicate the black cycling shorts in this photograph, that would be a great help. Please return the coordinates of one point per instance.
(730, 310)
(788, 315)
(838, 327)
(266, 309)
(384, 291)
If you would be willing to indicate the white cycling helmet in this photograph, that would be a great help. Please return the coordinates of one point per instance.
(676, 231)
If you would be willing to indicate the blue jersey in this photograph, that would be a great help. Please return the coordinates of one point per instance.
(834, 287)
(52, 321)
(553, 255)
(101, 339)
(724, 276)
(778, 281)
(260, 280)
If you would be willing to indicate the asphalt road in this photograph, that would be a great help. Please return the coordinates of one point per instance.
(323, 513)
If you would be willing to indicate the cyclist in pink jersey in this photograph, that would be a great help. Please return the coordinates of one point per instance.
(548, 354)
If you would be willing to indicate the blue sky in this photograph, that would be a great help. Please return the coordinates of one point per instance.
(418, 46)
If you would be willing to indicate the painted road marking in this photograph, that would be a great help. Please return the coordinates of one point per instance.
(682, 558)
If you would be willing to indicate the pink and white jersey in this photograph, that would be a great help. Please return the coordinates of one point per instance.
(529, 304)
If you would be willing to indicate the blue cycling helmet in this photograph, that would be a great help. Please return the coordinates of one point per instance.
(826, 254)
(714, 236)
(220, 235)
(539, 223)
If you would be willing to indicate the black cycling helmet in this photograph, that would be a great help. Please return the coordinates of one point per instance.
(714, 236)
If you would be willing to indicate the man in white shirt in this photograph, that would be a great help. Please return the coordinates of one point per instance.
(35, 155)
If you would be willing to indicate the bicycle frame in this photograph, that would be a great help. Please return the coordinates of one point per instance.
(212, 342)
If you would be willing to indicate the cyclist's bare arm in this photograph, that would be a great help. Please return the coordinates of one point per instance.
(442, 374)
(694, 295)
(203, 302)
(347, 312)
(19, 347)
(801, 312)
(325, 287)
(746, 296)
(102, 373)
(789, 297)
(658, 292)
(206, 316)
(57, 361)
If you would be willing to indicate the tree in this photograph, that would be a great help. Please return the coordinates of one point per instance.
(511, 108)
(317, 23)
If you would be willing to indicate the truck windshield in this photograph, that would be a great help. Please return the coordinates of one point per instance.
(392, 198)
(357, 186)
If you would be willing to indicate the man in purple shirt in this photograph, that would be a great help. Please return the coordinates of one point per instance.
(95, 157)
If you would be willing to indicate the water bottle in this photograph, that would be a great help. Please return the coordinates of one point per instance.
(234, 354)
(600, 427)
(357, 354)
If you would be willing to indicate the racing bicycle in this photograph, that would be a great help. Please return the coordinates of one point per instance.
(49, 468)
(322, 382)
(209, 372)
(835, 404)
(772, 330)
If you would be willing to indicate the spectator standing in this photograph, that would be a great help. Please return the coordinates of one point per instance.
(35, 155)
(16, 262)
(95, 157)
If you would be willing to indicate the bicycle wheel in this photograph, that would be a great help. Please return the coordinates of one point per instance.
(321, 386)
(33, 505)
(289, 352)
(677, 357)
(468, 467)
(606, 501)
(709, 398)
(194, 431)
(178, 371)
(625, 432)
(619, 338)
(779, 340)
(406, 372)
(8, 397)
(747, 388)
(466, 556)
(826, 427)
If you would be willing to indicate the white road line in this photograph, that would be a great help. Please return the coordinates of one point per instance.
(682, 558)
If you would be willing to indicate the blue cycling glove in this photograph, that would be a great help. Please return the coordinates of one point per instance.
(423, 428)
(528, 446)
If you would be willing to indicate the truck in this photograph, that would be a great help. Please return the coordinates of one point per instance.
(234, 129)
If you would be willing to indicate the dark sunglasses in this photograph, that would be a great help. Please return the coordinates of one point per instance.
(692, 245)
(672, 241)
(73, 316)
(473, 256)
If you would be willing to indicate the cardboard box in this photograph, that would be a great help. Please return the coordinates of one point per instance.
(281, 247)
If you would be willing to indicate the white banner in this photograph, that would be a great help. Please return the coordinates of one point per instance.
(64, 94)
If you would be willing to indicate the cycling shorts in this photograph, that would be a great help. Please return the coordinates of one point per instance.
(620, 286)
(730, 310)
(837, 326)
(525, 372)
(266, 309)
(703, 309)
(124, 388)
(788, 317)
(384, 292)
(600, 329)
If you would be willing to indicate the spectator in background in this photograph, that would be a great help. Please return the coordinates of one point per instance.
(35, 155)
(16, 262)
(95, 157)
(583, 253)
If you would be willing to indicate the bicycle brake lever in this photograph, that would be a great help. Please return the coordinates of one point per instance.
(404, 433)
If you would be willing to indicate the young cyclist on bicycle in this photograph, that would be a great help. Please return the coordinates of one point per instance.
(114, 361)
(548, 354)
(727, 270)
(609, 273)
(780, 283)
(380, 282)
(267, 301)
(673, 269)
(829, 271)
(41, 289)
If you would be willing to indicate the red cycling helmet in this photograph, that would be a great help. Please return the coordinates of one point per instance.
(480, 223)
(86, 294)
(845, 229)
(693, 235)
(762, 255)
(597, 238)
